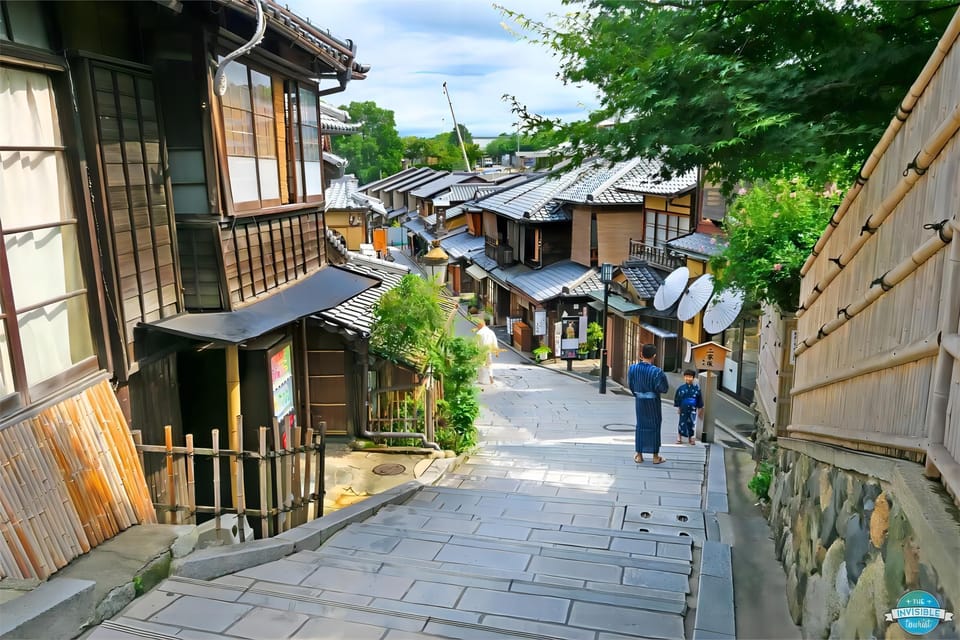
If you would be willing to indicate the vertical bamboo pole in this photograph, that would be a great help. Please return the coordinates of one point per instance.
(278, 449)
(234, 408)
(262, 474)
(138, 443)
(215, 438)
(241, 498)
(320, 449)
(191, 484)
(171, 496)
(287, 459)
(236, 429)
(307, 478)
(297, 484)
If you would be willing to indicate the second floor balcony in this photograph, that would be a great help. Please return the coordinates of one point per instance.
(657, 256)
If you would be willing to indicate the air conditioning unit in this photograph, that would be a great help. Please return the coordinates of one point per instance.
(505, 257)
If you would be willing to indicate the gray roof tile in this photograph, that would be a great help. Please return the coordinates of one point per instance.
(356, 314)
(644, 278)
(441, 183)
(704, 244)
(459, 245)
(542, 284)
(646, 177)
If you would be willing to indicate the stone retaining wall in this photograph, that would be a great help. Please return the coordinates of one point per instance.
(850, 550)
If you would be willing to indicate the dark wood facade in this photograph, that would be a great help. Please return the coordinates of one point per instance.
(142, 208)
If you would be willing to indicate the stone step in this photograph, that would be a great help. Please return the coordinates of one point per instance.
(518, 524)
(568, 472)
(378, 606)
(664, 492)
(438, 572)
(527, 560)
(546, 534)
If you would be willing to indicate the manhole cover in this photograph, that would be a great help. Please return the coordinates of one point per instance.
(391, 469)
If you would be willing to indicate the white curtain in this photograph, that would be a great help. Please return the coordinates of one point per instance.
(44, 263)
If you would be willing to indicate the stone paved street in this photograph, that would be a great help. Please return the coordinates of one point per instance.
(548, 530)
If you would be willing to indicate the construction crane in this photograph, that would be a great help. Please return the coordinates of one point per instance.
(456, 127)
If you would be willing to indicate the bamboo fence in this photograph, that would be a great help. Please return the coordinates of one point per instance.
(289, 478)
(880, 296)
(69, 480)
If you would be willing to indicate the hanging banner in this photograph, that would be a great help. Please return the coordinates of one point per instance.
(539, 323)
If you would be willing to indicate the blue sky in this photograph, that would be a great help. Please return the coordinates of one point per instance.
(414, 46)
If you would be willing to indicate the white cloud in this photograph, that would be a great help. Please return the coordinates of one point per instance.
(413, 46)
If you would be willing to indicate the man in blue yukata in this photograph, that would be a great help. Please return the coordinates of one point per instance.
(647, 382)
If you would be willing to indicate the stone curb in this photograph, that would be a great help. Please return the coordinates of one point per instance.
(715, 606)
(213, 562)
(54, 610)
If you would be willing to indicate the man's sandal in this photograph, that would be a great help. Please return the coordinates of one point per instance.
(638, 458)
(659, 460)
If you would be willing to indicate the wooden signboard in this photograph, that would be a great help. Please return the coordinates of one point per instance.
(709, 356)
(380, 239)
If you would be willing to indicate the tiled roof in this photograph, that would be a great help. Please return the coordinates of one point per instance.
(336, 53)
(417, 181)
(344, 193)
(396, 213)
(459, 245)
(546, 283)
(442, 183)
(332, 126)
(599, 184)
(531, 200)
(703, 244)
(356, 314)
(644, 278)
(464, 192)
(417, 225)
(481, 260)
(646, 178)
(334, 159)
(376, 184)
(589, 282)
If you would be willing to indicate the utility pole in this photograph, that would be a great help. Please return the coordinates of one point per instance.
(456, 127)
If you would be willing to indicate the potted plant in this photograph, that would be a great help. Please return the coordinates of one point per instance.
(541, 353)
(594, 337)
(583, 351)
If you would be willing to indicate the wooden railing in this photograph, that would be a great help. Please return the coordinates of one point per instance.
(289, 487)
(655, 256)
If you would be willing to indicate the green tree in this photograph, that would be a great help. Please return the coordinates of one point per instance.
(772, 228)
(407, 319)
(744, 88)
(376, 150)
(506, 143)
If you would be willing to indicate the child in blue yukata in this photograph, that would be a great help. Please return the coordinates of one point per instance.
(689, 404)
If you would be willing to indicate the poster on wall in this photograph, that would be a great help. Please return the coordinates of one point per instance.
(281, 382)
(540, 323)
(570, 336)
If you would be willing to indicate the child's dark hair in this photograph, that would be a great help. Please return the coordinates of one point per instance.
(689, 372)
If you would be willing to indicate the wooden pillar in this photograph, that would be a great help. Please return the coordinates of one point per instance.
(233, 407)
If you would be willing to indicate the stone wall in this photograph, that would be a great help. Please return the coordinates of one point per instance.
(849, 547)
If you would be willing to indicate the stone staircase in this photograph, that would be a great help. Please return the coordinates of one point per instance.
(558, 540)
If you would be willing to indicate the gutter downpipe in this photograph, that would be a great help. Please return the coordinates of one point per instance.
(220, 78)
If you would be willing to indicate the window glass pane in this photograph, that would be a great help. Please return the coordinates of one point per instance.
(28, 113)
(266, 137)
(28, 24)
(308, 108)
(238, 128)
(269, 179)
(34, 189)
(262, 94)
(314, 178)
(238, 87)
(44, 264)
(243, 179)
(55, 338)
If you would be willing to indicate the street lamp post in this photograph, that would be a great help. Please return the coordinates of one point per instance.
(435, 263)
(606, 277)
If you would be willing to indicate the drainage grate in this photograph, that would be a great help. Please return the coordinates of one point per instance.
(391, 469)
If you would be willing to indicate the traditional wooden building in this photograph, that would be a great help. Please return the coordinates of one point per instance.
(163, 216)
